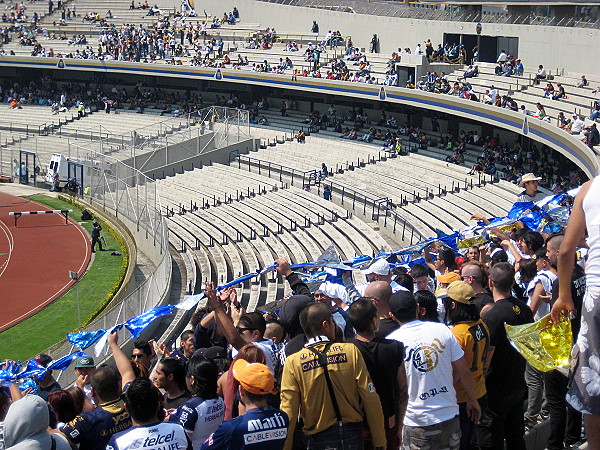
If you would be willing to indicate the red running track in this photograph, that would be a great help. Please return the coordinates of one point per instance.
(35, 258)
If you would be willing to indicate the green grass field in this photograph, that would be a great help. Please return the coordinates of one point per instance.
(50, 325)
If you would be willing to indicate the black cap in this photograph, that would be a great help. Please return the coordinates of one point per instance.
(43, 359)
(403, 303)
(213, 352)
(289, 314)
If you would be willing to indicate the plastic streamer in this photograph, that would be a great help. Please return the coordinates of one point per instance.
(545, 345)
(137, 324)
(83, 339)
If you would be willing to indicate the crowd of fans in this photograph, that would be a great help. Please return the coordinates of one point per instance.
(412, 355)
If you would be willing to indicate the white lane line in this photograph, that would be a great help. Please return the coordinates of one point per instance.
(49, 299)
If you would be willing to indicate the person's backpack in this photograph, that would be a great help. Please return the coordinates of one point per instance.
(85, 215)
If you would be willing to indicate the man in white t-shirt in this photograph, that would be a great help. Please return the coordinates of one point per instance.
(431, 354)
(143, 402)
(577, 124)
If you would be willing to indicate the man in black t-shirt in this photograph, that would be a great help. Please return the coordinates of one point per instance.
(505, 382)
(47, 383)
(565, 421)
(379, 292)
(384, 359)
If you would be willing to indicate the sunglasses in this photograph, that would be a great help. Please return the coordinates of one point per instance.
(240, 330)
(139, 355)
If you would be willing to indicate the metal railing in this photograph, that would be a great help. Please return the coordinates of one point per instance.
(27, 128)
(380, 208)
(444, 12)
(272, 170)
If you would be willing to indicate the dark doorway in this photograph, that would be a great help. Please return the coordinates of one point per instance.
(489, 46)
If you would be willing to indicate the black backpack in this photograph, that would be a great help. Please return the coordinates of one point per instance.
(85, 215)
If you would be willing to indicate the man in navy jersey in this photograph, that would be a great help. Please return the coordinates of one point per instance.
(143, 402)
(262, 427)
(92, 429)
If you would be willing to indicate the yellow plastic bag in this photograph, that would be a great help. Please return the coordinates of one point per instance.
(543, 344)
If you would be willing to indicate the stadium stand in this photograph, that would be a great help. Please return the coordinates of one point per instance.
(276, 181)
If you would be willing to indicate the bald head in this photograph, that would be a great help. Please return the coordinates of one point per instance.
(379, 290)
(552, 248)
(274, 332)
(554, 241)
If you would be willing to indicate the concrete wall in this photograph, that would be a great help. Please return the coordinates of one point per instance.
(572, 49)
(168, 155)
(220, 155)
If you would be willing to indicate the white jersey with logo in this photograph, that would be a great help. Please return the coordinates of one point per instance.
(429, 350)
(159, 436)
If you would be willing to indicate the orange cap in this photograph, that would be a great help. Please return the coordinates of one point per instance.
(448, 278)
(255, 378)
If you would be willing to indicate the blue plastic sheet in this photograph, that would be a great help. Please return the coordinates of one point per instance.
(137, 324)
(518, 209)
(64, 362)
(83, 339)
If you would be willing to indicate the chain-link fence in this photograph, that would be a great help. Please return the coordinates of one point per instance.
(127, 195)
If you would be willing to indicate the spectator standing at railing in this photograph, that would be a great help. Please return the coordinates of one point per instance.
(315, 27)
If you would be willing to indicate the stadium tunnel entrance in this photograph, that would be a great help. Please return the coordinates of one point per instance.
(489, 46)
(305, 100)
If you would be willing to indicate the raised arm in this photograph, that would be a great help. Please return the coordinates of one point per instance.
(123, 363)
(574, 233)
(224, 320)
(296, 284)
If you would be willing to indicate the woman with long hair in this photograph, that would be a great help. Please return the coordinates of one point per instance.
(64, 406)
(228, 385)
(202, 414)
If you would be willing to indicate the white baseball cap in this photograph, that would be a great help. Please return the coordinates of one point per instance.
(380, 267)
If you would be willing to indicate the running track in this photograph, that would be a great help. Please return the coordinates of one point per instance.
(35, 258)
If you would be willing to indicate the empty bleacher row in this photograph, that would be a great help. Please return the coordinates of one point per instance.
(395, 178)
(235, 237)
(35, 129)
